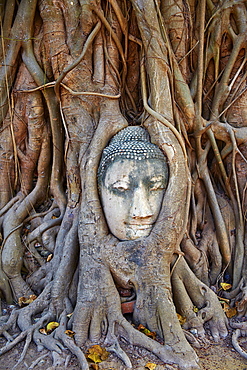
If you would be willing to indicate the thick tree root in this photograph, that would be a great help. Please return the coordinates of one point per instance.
(26, 333)
(192, 295)
(69, 342)
(100, 306)
(186, 360)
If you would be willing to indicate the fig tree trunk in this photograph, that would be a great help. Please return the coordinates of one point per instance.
(73, 74)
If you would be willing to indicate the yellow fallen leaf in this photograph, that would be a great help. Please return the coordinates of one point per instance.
(94, 366)
(181, 319)
(24, 301)
(146, 331)
(94, 357)
(70, 333)
(231, 312)
(97, 353)
(225, 286)
(51, 326)
(150, 366)
(195, 309)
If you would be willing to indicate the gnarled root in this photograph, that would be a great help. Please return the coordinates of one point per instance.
(235, 335)
(242, 300)
(190, 293)
(98, 316)
(241, 331)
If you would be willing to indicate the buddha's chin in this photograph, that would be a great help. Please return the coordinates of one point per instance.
(137, 231)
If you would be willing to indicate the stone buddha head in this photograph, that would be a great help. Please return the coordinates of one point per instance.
(132, 178)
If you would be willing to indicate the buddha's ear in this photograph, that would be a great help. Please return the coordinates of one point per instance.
(172, 220)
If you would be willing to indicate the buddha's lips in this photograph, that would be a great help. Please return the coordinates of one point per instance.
(140, 226)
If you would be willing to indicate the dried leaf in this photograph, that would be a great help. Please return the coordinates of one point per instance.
(24, 301)
(181, 319)
(231, 312)
(94, 366)
(32, 297)
(94, 357)
(146, 331)
(51, 326)
(49, 257)
(43, 331)
(150, 366)
(225, 286)
(141, 327)
(195, 309)
(70, 333)
(69, 315)
(97, 353)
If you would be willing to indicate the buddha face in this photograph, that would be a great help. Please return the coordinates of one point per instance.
(131, 194)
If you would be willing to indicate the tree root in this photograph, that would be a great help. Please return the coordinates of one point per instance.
(190, 293)
(235, 335)
(8, 336)
(47, 341)
(10, 322)
(100, 305)
(191, 339)
(26, 333)
(37, 233)
(69, 342)
(23, 354)
(34, 363)
(5, 288)
(242, 305)
(166, 353)
(115, 348)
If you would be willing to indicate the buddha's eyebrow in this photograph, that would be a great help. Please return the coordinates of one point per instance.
(157, 178)
(125, 181)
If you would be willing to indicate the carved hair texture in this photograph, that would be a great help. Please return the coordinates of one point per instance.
(132, 142)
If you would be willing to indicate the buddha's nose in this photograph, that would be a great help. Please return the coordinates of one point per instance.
(140, 204)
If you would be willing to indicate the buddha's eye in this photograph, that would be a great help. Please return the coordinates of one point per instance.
(154, 187)
(157, 184)
(120, 187)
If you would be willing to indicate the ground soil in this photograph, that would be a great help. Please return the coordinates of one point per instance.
(212, 356)
(220, 356)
